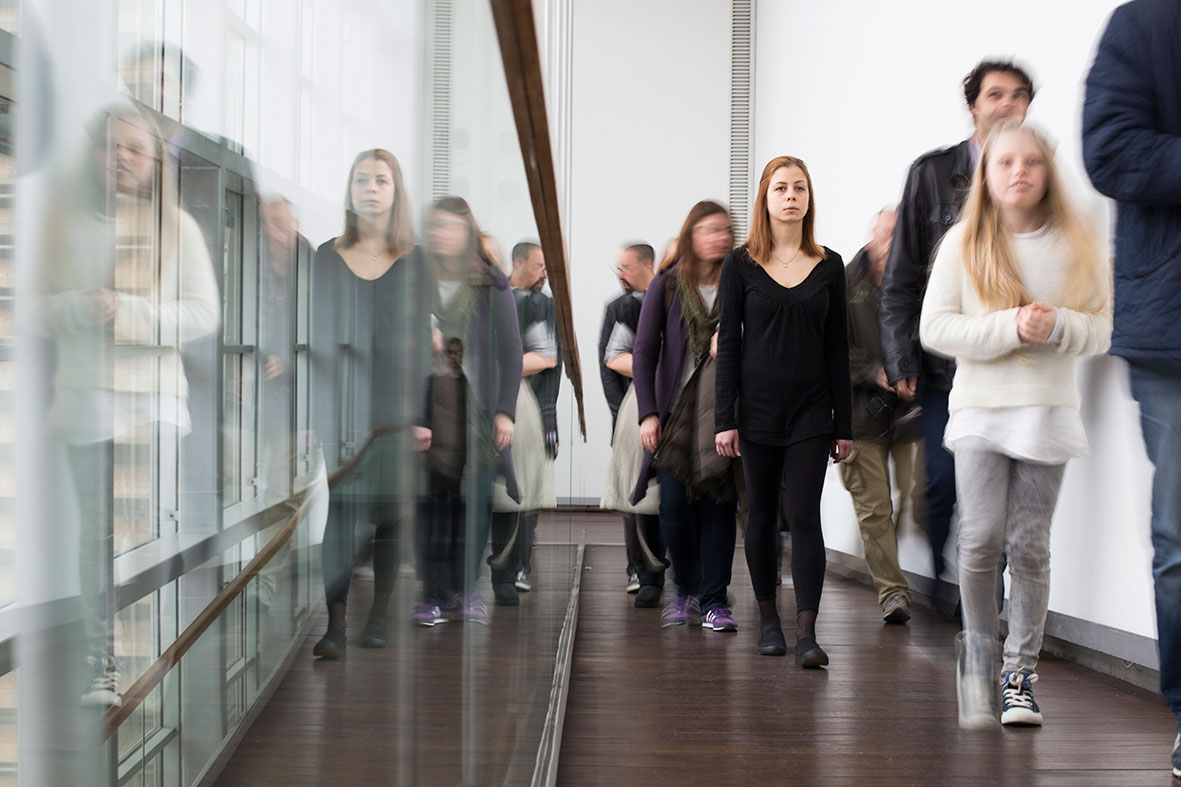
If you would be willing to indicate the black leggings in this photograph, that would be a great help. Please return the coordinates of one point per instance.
(800, 469)
(344, 541)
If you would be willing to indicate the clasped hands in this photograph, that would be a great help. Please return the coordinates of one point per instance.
(1035, 322)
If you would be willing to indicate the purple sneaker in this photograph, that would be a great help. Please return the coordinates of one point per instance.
(678, 611)
(428, 615)
(719, 619)
(473, 609)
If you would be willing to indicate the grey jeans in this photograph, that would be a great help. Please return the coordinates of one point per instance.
(1005, 506)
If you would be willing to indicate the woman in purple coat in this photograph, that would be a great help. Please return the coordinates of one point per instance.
(677, 325)
(471, 302)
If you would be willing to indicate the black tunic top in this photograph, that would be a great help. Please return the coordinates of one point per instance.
(370, 349)
(783, 353)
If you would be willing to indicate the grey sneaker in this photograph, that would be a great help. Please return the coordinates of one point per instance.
(103, 691)
(973, 691)
(522, 582)
(633, 582)
(896, 608)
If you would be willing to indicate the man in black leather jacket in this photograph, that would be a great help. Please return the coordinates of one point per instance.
(938, 182)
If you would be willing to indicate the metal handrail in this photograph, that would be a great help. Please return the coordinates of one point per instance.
(146, 683)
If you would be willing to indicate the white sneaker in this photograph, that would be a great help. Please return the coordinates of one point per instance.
(103, 691)
(633, 582)
(522, 582)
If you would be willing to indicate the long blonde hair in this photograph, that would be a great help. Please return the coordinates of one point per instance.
(988, 251)
(84, 190)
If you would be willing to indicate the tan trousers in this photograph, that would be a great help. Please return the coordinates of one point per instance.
(866, 474)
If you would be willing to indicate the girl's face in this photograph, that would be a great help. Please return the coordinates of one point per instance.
(787, 195)
(447, 234)
(713, 237)
(1017, 172)
(372, 189)
(131, 160)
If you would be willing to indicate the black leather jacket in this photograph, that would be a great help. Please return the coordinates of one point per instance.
(936, 188)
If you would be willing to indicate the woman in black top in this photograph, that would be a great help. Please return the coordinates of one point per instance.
(369, 342)
(783, 383)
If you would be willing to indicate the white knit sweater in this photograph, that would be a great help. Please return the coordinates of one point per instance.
(990, 371)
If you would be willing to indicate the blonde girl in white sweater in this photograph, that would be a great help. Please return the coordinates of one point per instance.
(1018, 291)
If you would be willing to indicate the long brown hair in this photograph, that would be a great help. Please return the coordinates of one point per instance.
(399, 236)
(760, 243)
(987, 251)
(683, 251)
(460, 207)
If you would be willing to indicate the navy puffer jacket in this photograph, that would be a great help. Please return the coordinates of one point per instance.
(1132, 151)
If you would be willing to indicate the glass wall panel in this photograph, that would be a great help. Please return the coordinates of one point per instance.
(277, 301)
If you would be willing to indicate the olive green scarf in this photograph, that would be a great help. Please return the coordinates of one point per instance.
(700, 324)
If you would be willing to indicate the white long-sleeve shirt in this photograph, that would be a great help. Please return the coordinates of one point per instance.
(994, 368)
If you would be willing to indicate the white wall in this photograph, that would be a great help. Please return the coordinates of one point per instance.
(486, 166)
(858, 90)
(650, 119)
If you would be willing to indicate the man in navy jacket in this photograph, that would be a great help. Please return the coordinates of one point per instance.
(1132, 150)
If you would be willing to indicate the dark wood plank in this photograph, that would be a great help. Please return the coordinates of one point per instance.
(689, 706)
(681, 706)
(454, 704)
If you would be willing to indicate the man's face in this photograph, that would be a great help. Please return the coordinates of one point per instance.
(454, 354)
(633, 273)
(533, 270)
(1003, 96)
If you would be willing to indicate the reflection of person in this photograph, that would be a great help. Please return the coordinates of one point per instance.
(442, 513)
(883, 427)
(535, 439)
(369, 344)
(129, 280)
(783, 386)
(677, 323)
(472, 301)
(634, 269)
(1132, 149)
(276, 287)
(935, 189)
(1017, 292)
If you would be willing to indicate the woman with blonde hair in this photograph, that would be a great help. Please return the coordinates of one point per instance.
(127, 282)
(1018, 292)
(783, 385)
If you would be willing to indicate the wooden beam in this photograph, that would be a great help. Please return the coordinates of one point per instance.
(521, 55)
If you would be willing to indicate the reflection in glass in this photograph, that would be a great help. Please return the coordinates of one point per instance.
(121, 291)
(370, 341)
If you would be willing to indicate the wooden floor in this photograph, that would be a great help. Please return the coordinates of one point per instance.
(688, 706)
(462, 704)
(454, 704)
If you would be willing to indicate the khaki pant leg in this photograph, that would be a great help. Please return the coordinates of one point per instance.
(866, 474)
(910, 480)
